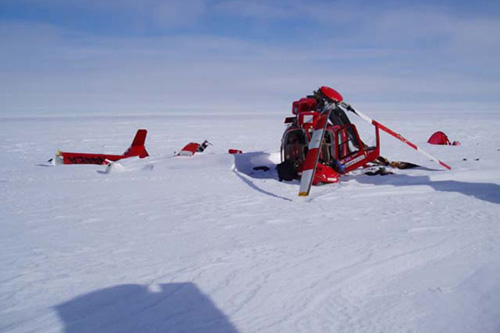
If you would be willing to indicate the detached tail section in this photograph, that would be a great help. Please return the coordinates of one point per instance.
(138, 147)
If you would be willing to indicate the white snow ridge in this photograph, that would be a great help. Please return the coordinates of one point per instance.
(209, 244)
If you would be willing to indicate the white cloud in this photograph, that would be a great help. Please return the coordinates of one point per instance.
(386, 60)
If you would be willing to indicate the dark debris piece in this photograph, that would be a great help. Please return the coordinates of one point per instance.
(379, 171)
(263, 168)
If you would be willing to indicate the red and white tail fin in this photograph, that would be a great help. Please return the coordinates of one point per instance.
(138, 148)
(311, 161)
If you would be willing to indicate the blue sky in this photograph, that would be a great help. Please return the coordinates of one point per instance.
(151, 56)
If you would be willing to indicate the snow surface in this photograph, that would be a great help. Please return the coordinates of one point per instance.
(207, 244)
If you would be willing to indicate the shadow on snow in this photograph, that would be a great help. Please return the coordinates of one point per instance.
(174, 307)
(246, 164)
(483, 191)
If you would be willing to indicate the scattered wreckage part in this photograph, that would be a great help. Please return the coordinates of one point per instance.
(235, 151)
(394, 164)
(190, 149)
(380, 171)
(203, 146)
(193, 147)
(403, 165)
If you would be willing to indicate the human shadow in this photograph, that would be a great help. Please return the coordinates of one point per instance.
(172, 307)
(483, 191)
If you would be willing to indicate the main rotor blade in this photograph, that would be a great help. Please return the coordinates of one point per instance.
(396, 135)
(311, 161)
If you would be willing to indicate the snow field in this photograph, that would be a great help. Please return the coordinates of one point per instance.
(207, 244)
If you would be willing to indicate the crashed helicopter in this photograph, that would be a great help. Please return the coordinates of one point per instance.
(320, 143)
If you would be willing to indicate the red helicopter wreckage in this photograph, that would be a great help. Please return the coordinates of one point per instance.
(318, 146)
(320, 143)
